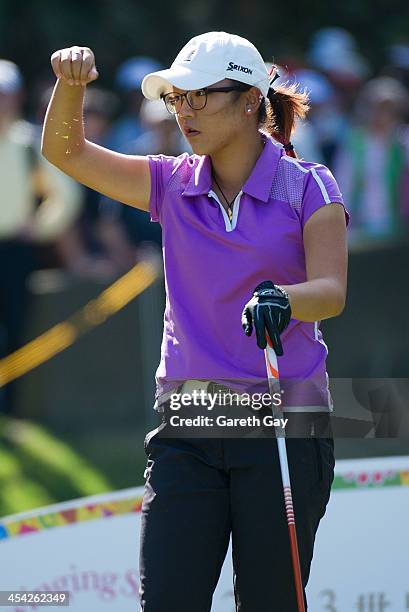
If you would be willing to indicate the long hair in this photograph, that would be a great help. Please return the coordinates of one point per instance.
(279, 111)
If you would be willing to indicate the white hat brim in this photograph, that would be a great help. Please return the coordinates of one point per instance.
(162, 81)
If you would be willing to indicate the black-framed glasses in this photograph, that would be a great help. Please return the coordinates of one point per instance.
(196, 99)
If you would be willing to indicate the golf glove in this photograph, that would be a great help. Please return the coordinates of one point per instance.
(268, 310)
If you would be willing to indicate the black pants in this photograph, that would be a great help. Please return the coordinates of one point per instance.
(199, 491)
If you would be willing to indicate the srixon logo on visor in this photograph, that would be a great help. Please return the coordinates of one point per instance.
(233, 66)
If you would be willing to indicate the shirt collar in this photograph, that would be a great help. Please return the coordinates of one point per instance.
(201, 180)
(259, 183)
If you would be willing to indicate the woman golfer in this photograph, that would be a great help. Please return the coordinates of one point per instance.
(253, 238)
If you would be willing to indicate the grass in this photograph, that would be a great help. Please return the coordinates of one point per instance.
(37, 469)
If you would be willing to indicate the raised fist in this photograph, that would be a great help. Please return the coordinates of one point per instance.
(74, 65)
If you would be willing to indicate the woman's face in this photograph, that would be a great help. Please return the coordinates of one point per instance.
(212, 128)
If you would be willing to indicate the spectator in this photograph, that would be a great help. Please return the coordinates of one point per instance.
(160, 132)
(398, 65)
(128, 82)
(38, 203)
(310, 137)
(334, 53)
(372, 163)
(97, 246)
(160, 135)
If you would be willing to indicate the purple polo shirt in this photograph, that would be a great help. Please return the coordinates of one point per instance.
(212, 266)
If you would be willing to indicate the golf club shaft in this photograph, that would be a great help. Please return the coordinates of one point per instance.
(274, 387)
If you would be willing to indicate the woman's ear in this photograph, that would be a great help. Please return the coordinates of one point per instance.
(252, 101)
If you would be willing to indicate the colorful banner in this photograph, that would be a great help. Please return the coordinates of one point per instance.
(90, 547)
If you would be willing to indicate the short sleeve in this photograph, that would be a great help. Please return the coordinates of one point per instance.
(162, 168)
(320, 188)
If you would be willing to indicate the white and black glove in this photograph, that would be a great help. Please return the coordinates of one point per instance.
(269, 309)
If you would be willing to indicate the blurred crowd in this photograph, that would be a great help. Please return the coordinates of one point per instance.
(357, 126)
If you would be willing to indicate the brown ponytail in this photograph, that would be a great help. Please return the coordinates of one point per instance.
(278, 115)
